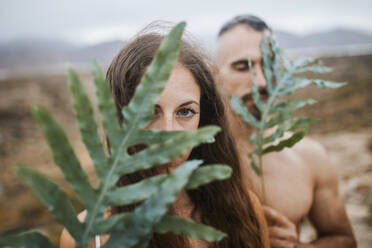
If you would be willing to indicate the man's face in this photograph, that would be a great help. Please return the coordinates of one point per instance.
(234, 48)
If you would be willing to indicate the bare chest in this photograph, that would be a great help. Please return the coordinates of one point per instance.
(288, 185)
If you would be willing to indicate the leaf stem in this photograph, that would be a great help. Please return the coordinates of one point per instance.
(272, 97)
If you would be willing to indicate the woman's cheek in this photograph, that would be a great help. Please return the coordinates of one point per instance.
(190, 124)
(175, 163)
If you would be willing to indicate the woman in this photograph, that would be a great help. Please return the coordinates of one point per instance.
(189, 100)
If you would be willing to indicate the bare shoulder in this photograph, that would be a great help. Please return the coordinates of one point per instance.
(311, 151)
(310, 147)
(307, 149)
(66, 241)
(316, 158)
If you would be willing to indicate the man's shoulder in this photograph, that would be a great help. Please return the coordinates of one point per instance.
(307, 150)
(309, 147)
(316, 159)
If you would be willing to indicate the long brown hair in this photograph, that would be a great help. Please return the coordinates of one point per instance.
(224, 205)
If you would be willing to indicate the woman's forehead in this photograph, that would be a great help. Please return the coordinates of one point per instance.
(180, 87)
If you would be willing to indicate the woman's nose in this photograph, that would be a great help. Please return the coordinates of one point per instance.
(164, 122)
(168, 123)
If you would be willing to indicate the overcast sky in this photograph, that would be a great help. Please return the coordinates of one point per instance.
(88, 21)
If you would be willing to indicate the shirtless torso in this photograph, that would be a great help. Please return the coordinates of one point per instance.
(300, 182)
(288, 181)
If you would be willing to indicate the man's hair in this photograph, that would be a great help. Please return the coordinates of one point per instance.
(249, 20)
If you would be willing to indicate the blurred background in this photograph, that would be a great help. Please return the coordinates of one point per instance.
(39, 38)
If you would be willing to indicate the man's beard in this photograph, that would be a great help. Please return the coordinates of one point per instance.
(252, 107)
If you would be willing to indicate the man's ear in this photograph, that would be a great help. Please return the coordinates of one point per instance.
(216, 75)
(218, 80)
(214, 70)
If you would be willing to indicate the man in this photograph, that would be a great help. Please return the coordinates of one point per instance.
(300, 182)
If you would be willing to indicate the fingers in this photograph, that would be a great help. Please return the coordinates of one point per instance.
(282, 238)
(283, 234)
(279, 243)
(276, 218)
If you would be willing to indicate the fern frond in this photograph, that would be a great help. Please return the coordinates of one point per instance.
(132, 229)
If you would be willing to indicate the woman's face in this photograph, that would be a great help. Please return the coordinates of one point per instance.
(179, 106)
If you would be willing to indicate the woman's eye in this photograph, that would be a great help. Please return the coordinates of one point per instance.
(186, 112)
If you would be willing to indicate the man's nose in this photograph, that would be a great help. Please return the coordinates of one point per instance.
(260, 78)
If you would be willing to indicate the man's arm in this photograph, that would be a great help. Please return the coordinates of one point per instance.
(327, 212)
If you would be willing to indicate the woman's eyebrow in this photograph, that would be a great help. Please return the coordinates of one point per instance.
(189, 102)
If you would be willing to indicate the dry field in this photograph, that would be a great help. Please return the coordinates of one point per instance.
(345, 130)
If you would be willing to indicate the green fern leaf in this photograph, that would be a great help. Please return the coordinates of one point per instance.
(133, 229)
(277, 111)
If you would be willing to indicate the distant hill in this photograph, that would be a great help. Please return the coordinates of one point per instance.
(337, 42)
(50, 56)
(336, 37)
(33, 51)
(104, 52)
